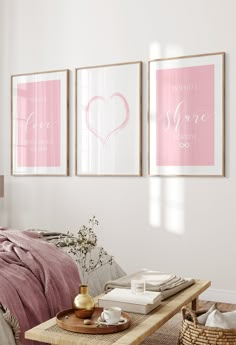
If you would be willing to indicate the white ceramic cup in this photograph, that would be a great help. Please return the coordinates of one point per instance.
(111, 315)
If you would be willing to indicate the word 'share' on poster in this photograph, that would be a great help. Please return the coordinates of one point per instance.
(108, 120)
(40, 123)
(186, 115)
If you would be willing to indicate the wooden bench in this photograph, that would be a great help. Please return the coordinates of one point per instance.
(142, 325)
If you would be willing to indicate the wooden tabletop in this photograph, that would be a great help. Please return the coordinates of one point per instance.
(49, 332)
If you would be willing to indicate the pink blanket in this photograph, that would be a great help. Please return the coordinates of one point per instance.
(37, 280)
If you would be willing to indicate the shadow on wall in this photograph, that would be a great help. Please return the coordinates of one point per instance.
(167, 195)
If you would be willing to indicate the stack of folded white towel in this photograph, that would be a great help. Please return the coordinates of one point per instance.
(214, 318)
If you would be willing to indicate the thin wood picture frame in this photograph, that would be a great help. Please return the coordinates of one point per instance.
(40, 123)
(108, 120)
(186, 101)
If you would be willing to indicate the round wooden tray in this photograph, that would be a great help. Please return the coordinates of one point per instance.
(67, 320)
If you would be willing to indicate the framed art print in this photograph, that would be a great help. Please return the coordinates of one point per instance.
(108, 120)
(186, 115)
(39, 105)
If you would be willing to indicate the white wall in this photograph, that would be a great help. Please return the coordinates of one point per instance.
(182, 225)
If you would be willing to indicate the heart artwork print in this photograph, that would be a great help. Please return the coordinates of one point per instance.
(108, 120)
(105, 116)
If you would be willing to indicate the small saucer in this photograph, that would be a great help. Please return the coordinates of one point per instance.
(122, 320)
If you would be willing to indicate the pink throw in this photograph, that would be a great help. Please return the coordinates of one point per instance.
(37, 280)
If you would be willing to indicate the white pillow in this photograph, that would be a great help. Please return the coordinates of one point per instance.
(202, 318)
(222, 320)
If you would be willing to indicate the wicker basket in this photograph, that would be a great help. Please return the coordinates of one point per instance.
(194, 333)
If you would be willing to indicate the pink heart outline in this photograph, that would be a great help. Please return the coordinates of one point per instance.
(122, 125)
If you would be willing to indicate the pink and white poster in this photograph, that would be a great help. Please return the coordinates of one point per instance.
(109, 120)
(38, 108)
(39, 123)
(186, 116)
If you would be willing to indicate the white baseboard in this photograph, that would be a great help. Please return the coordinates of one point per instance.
(215, 295)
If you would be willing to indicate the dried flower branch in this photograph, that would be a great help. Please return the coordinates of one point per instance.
(83, 246)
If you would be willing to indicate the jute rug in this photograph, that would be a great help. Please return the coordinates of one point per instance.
(167, 334)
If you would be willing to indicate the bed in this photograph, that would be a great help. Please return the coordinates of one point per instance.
(38, 279)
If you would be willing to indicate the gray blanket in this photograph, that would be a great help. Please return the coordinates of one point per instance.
(6, 334)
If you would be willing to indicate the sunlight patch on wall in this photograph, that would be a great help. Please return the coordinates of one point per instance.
(155, 202)
(155, 51)
(167, 204)
(167, 195)
(174, 205)
(173, 50)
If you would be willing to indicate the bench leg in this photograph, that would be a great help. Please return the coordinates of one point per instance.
(195, 304)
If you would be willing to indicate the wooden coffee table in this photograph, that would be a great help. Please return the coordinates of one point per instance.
(142, 325)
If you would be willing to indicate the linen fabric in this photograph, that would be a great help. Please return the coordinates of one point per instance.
(167, 284)
(37, 280)
(203, 318)
(222, 320)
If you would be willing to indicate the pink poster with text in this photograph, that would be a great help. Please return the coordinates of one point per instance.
(38, 123)
(185, 116)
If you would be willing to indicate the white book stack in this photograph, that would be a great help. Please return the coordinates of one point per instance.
(130, 302)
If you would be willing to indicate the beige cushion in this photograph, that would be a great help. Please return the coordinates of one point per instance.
(221, 320)
(202, 318)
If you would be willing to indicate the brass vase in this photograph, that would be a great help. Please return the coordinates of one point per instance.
(83, 303)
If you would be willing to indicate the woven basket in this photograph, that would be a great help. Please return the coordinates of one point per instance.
(194, 333)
